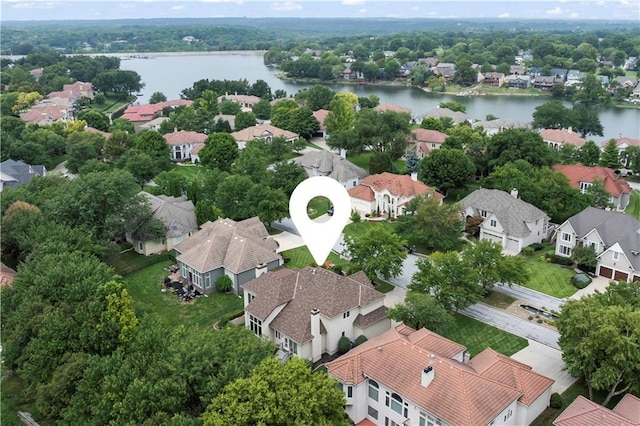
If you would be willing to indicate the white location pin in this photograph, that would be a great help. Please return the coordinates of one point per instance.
(320, 237)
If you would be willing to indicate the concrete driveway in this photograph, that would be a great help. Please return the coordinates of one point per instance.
(536, 298)
(287, 241)
(546, 361)
(598, 283)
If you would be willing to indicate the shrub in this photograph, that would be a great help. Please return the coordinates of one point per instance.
(228, 317)
(99, 99)
(355, 216)
(361, 339)
(530, 317)
(224, 284)
(556, 401)
(344, 344)
(539, 321)
(528, 251)
(337, 269)
(560, 260)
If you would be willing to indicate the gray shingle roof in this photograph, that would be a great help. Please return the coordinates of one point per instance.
(176, 213)
(20, 171)
(613, 227)
(236, 246)
(304, 290)
(330, 164)
(512, 212)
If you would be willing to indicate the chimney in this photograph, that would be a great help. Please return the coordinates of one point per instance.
(570, 129)
(466, 357)
(427, 376)
(343, 153)
(414, 176)
(261, 268)
(514, 192)
(175, 129)
(316, 339)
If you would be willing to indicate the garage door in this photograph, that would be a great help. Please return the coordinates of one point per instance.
(490, 237)
(636, 278)
(621, 276)
(512, 245)
(606, 272)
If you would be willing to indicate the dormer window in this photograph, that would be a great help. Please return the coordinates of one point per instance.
(346, 315)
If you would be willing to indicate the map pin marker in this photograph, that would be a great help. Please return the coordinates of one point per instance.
(320, 237)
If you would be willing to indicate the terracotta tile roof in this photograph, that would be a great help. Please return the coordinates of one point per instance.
(457, 394)
(303, 290)
(577, 173)
(44, 114)
(583, 412)
(398, 185)
(6, 275)
(392, 107)
(197, 148)
(366, 422)
(261, 131)
(321, 115)
(430, 136)
(629, 408)
(138, 113)
(183, 137)
(495, 366)
(624, 141)
(235, 246)
(562, 136)
(74, 91)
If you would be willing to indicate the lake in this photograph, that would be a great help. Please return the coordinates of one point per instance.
(171, 74)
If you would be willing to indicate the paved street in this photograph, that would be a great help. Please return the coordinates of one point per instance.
(535, 298)
(514, 325)
(408, 269)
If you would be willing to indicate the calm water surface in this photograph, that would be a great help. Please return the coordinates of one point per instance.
(171, 74)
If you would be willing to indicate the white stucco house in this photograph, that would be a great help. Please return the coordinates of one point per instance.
(182, 142)
(262, 131)
(388, 193)
(614, 236)
(306, 312)
(417, 377)
(508, 220)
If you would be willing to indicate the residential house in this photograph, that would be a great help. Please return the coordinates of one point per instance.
(182, 142)
(241, 250)
(555, 138)
(423, 141)
(36, 73)
(508, 220)
(445, 70)
(74, 91)
(325, 163)
(492, 127)
(392, 107)
(523, 56)
(546, 82)
(496, 79)
(15, 173)
(178, 216)
(583, 411)
(263, 131)
(457, 117)
(582, 177)
(622, 143)
(230, 119)
(559, 73)
(574, 77)
(141, 114)
(44, 114)
(195, 153)
(627, 82)
(604, 80)
(7, 275)
(417, 377)
(518, 81)
(517, 70)
(429, 62)
(306, 311)
(321, 115)
(388, 193)
(631, 63)
(246, 101)
(614, 236)
(153, 124)
(535, 72)
(636, 91)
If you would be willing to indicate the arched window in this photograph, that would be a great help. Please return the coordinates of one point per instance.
(373, 389)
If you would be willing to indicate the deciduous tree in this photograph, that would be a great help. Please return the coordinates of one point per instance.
(421, 310)
(447, 168)
(220, 151)
(493, 266)
(377, 252)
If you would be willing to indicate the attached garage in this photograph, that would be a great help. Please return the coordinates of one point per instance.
(512, 244)
(620, 276)
(606, 272)
(636, 278)
(491, 237)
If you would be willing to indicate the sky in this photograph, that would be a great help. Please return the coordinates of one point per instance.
(39, 10)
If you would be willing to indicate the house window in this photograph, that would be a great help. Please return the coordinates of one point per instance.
(483, 213)
(616, 256)
(291, 345)
(255, 325)
(394, 401)
(372, 412)
(278, 335)
(566, 237)
(433, 145)
(584, 186)
(341, 387)
(346, 314)
(389, 422)
(537, 221)
(373, 389)
(493, 223)
(140, 246)
(207, 281)
(349, 391)
(564, 250)
(250, 297)
(184, 270)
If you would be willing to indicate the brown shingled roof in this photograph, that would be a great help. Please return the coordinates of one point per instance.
(426, 135)
(302, 291)
(457, 394)
(236, 246)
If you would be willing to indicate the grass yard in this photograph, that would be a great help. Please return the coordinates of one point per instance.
(362, 160)
(112, 103)
(145, 288)
(550, 278)
(189, 171)
(498, 300)
(357, 229)
(477, 336)
(319, 206)
(633, 208)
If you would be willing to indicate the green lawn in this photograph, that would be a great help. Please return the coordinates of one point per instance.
(362, 160)
(633, 208)
(317, 207)
(112, 103)
(145, 287)
(188, 172)
(477, 336)
(550, 278)
(357, 229)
